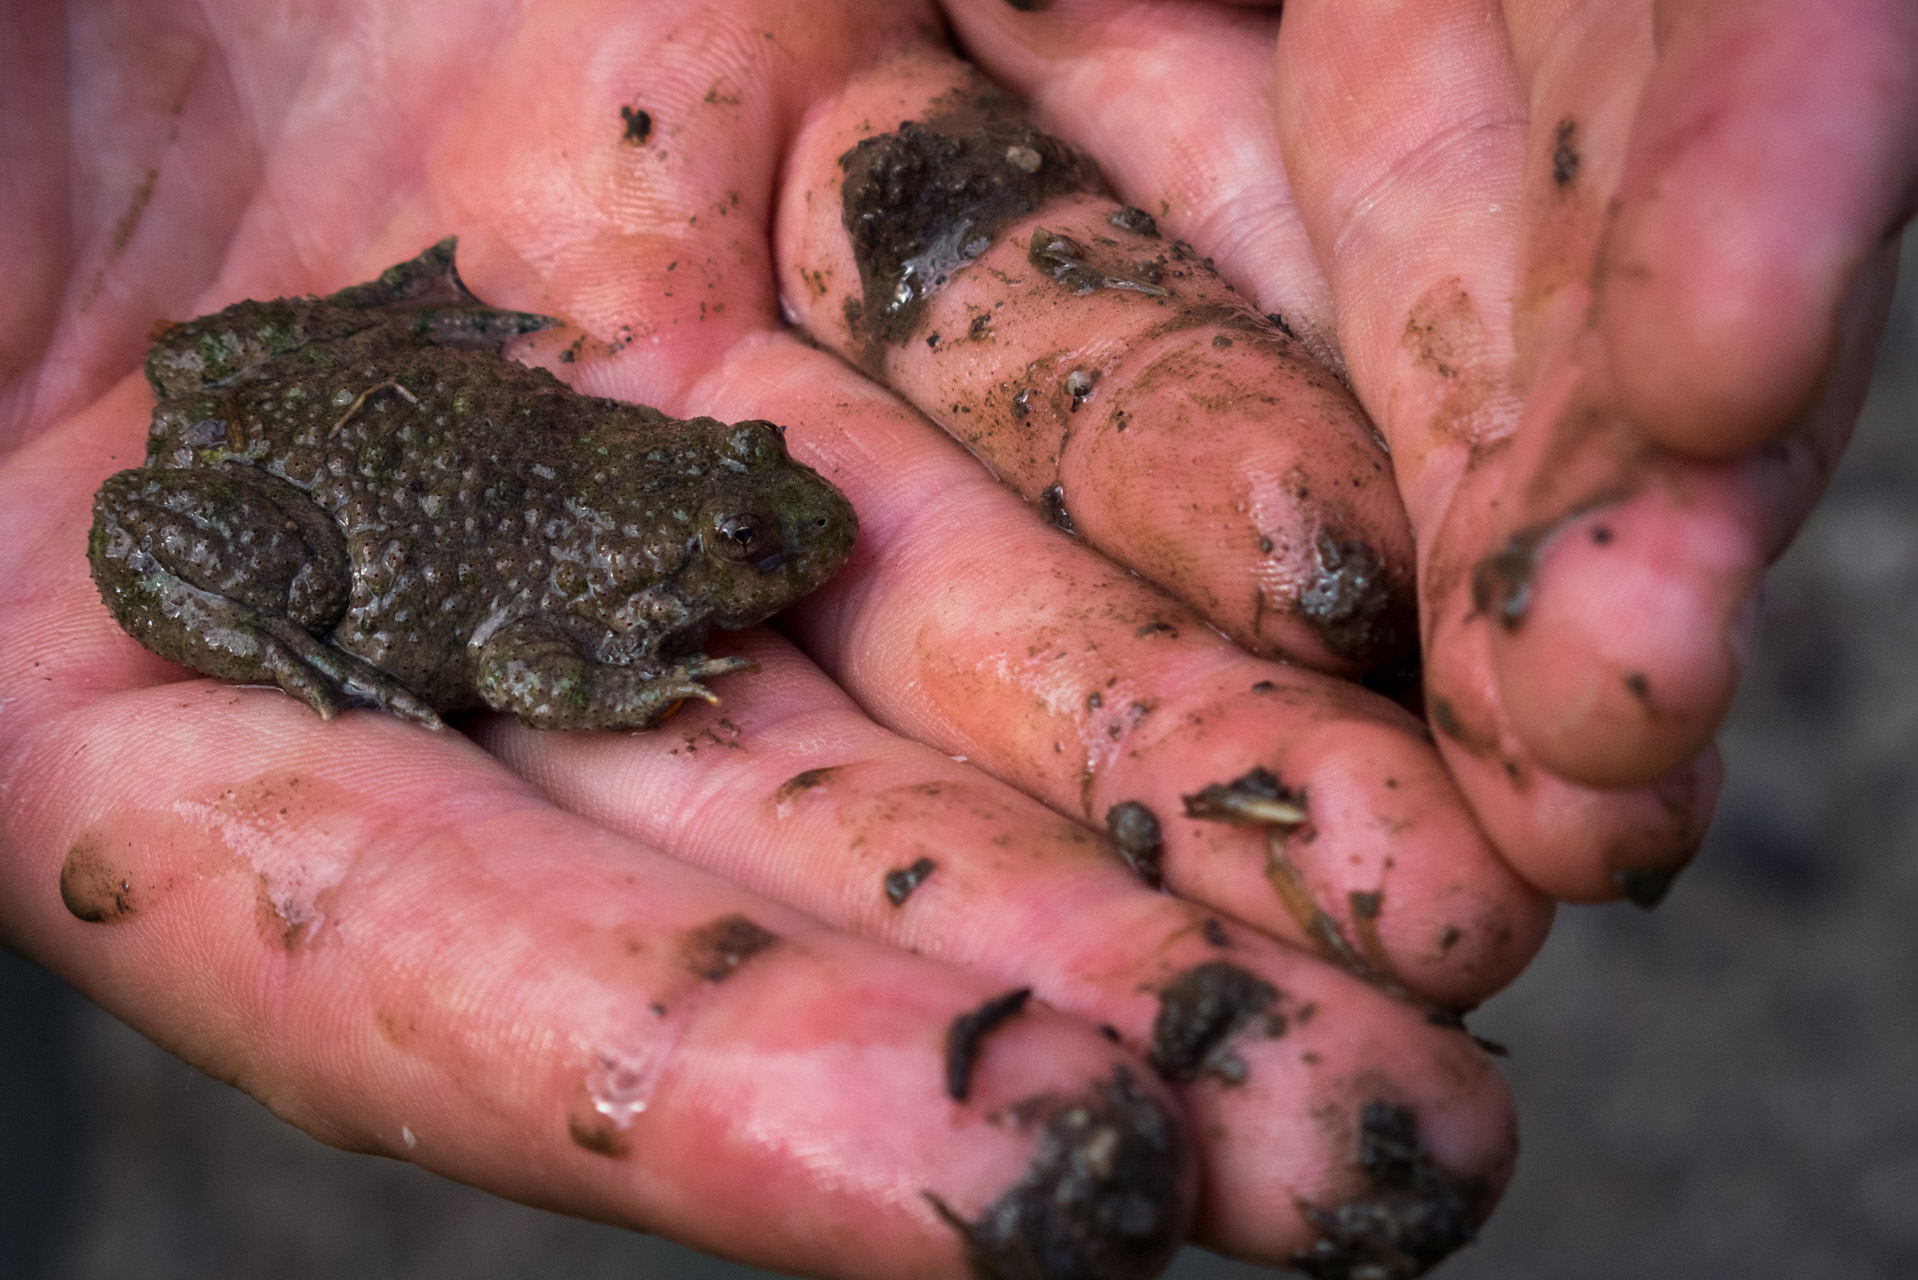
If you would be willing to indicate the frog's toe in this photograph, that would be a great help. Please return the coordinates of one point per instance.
(346, 680)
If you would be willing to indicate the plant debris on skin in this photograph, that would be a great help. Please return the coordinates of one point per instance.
(1256, 798)
(1064, 259)
(968, 1031)
(1201, 1012)
(1103, 1199)
(901, 881)
(1134, 829)
(921, 202)
(1417, 1215)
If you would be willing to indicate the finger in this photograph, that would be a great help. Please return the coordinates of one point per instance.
(789, 790)
(1405, 132)
(1116, 76)
(1624, 586)
(1094, 366)
(931, 622)
(1769, 163)
(400, 948)
(963, 622)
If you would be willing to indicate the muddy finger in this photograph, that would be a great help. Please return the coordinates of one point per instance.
(1281, 1061)
(1103, 370)
(401, 950)
(965, 623)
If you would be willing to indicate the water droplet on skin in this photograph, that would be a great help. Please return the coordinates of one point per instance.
(408, 1136)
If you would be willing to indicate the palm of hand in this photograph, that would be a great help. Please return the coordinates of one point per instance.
(577, 971)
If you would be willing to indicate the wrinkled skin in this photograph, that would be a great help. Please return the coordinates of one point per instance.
(657, 979)
(469, 531)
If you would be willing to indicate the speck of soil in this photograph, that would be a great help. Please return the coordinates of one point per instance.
(921, 202)
(1417, 1215)
(93, 889)
(1103, 1199)
(1131, 218)
(1278, 322)
(1202, 1012)
(715, 951)
(1638, 686)
(968, 1031)
(1052, 509)
(1028, 6)
(639, 125)
(1214, 933)
(1502, 582)
(1565, 159)
(1355, 607)
(1135, 830)
(901, 881)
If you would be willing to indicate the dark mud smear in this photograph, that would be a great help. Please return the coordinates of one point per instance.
(968, 1031)
(93, 889)
(1135, 830)
(1417, 1215)
(901, 881)
(1355, 607)
(716, 950)
(639, 126)
(1565, 160)
(1201, 1012)
(924, 201)
(1103, 1199)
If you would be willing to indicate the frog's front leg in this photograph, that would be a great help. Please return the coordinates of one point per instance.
(532, 669)
(235, 573)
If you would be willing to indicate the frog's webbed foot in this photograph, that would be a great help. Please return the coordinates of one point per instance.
(428, 291)
(533, 670)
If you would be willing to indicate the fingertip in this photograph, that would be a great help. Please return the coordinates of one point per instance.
(1621, 655)
(1768, 167)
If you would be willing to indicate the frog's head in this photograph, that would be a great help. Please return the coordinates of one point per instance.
(769, 531)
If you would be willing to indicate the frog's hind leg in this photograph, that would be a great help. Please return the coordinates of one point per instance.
(533, 670)
(231, 571)
(428, 292)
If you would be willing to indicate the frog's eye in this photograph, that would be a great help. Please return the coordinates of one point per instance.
(743, 535)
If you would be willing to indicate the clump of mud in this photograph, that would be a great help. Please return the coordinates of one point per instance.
(1103, 1199)
(1202, 1012)
(923, 201)
(1357, 608)
(1417, 1215)
(1135, 830)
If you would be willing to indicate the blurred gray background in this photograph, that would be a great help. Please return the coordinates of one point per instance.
(1728, 1087)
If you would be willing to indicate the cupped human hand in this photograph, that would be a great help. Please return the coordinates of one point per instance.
(1608, 278)
(746, 979)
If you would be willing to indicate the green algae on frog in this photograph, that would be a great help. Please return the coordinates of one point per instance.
(359, 499)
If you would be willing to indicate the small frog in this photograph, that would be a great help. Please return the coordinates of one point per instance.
(359, 499)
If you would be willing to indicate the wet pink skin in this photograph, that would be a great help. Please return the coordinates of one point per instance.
(409, 944)
(399, 944)
(1761, 166)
